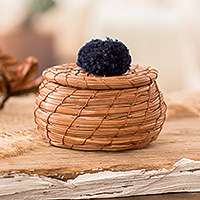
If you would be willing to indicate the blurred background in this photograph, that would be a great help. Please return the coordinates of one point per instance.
(164, 34)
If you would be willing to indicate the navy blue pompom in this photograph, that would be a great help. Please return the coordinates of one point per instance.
(104, 57)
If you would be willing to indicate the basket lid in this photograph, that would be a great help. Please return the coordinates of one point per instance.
(73, 76)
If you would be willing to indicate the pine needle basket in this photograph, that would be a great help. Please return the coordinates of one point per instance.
(77, 110)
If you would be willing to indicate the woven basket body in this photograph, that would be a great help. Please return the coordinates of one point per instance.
(77, 110)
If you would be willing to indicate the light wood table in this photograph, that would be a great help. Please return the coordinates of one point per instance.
(170, 164)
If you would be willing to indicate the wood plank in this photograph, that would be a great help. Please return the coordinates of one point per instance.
(185, 176)
(179, 139)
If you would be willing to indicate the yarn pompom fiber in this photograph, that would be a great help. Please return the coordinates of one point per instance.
(104, 57)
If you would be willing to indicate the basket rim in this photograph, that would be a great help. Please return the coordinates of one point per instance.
(72, 75)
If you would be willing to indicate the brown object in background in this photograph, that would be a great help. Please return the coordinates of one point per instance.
(19, 79)
(5, 61)
(24, 41)
(81, 111)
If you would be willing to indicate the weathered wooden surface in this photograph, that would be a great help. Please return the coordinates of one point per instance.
(184, 176)
(179, 139)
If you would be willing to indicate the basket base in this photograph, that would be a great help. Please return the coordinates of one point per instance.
(91, 147)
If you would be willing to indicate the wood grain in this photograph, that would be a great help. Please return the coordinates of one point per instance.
(179, 139)
(183, 177)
